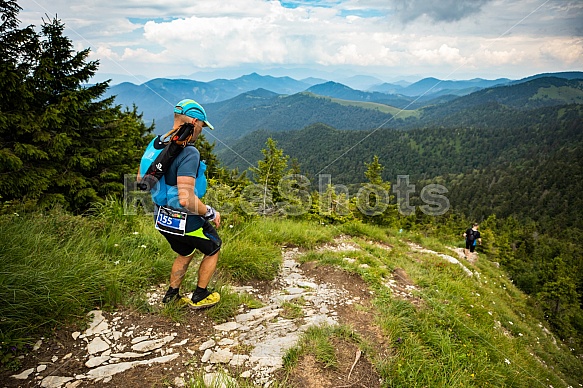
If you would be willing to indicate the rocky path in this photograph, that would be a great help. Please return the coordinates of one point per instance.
(116, 347)
(129, 349)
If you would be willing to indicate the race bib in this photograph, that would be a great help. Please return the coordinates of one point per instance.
(171, 221)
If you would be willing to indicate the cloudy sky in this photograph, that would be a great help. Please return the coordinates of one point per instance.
(388, 39)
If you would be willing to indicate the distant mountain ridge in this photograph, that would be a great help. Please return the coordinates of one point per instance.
(156, 97)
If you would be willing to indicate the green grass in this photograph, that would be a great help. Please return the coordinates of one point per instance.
(316, 340)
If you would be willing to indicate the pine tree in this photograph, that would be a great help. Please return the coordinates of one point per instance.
(271, 170)
(60, 143)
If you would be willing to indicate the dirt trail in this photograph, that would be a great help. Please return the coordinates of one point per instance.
(129, 349)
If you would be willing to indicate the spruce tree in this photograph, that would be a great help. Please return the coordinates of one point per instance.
(271, 169)
(60, 142)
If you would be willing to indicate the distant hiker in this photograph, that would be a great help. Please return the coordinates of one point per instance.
(472, 237)
(180, 216)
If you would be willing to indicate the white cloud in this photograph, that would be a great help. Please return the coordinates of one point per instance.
(157, 38)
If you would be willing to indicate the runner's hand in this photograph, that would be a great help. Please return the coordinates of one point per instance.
(217, 220)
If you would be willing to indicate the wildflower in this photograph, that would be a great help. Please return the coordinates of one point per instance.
(399, 340)
(17, 215)
(143, 246)
(116, 245)
(477, 294)
(507, 361)
(472, 375)
(520, 334)
(490, 312)
(231, 226)
(116, 262)
(135, 233)
(511, 322)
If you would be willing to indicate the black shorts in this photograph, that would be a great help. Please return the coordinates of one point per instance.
(470, 245)
(205, 239)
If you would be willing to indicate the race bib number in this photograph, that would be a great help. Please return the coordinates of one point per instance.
(171, 221)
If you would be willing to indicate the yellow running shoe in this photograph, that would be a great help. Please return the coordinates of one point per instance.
(209, 301)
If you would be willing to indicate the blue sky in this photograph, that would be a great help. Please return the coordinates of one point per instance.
(334, 39)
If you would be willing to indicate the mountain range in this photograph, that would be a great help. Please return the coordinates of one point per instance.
(226, 101)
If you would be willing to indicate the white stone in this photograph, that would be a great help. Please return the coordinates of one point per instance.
(226, 342)
(24, 375)
(295, 290)
(140, 339)
(238, 360)
(147, 346)
(130, 355)
(183, 342)
(96, 361)
(246, 374)
(54, 381)
(37, 345)
(97, 345)
(221, 356)
(98, 323)
(207, 345)
(76, 335)
(307, 284)
(229, 326)
(206, 356)
(41, 368)
(112, 369)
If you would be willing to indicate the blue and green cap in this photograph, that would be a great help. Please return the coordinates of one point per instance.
(192, 109)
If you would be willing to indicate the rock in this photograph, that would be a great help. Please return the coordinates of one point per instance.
(229, 326)
(54, 381)
(96, 361)
(76, 335)
(226, 342)
(207, 345)
(97, 345)
(221, 356)
(24, 375)
(238, 360)
(305, 284)
(140, 339)
(130, 355)
(98, 323)
(37, 345)
(206, 356)
(295, 290)
(110, 370)
(147, 346)
(183, 342)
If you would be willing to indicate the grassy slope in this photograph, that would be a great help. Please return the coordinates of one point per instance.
(399, 113)
(469, 332)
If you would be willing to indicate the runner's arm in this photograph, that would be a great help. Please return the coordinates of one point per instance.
(189, 200)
